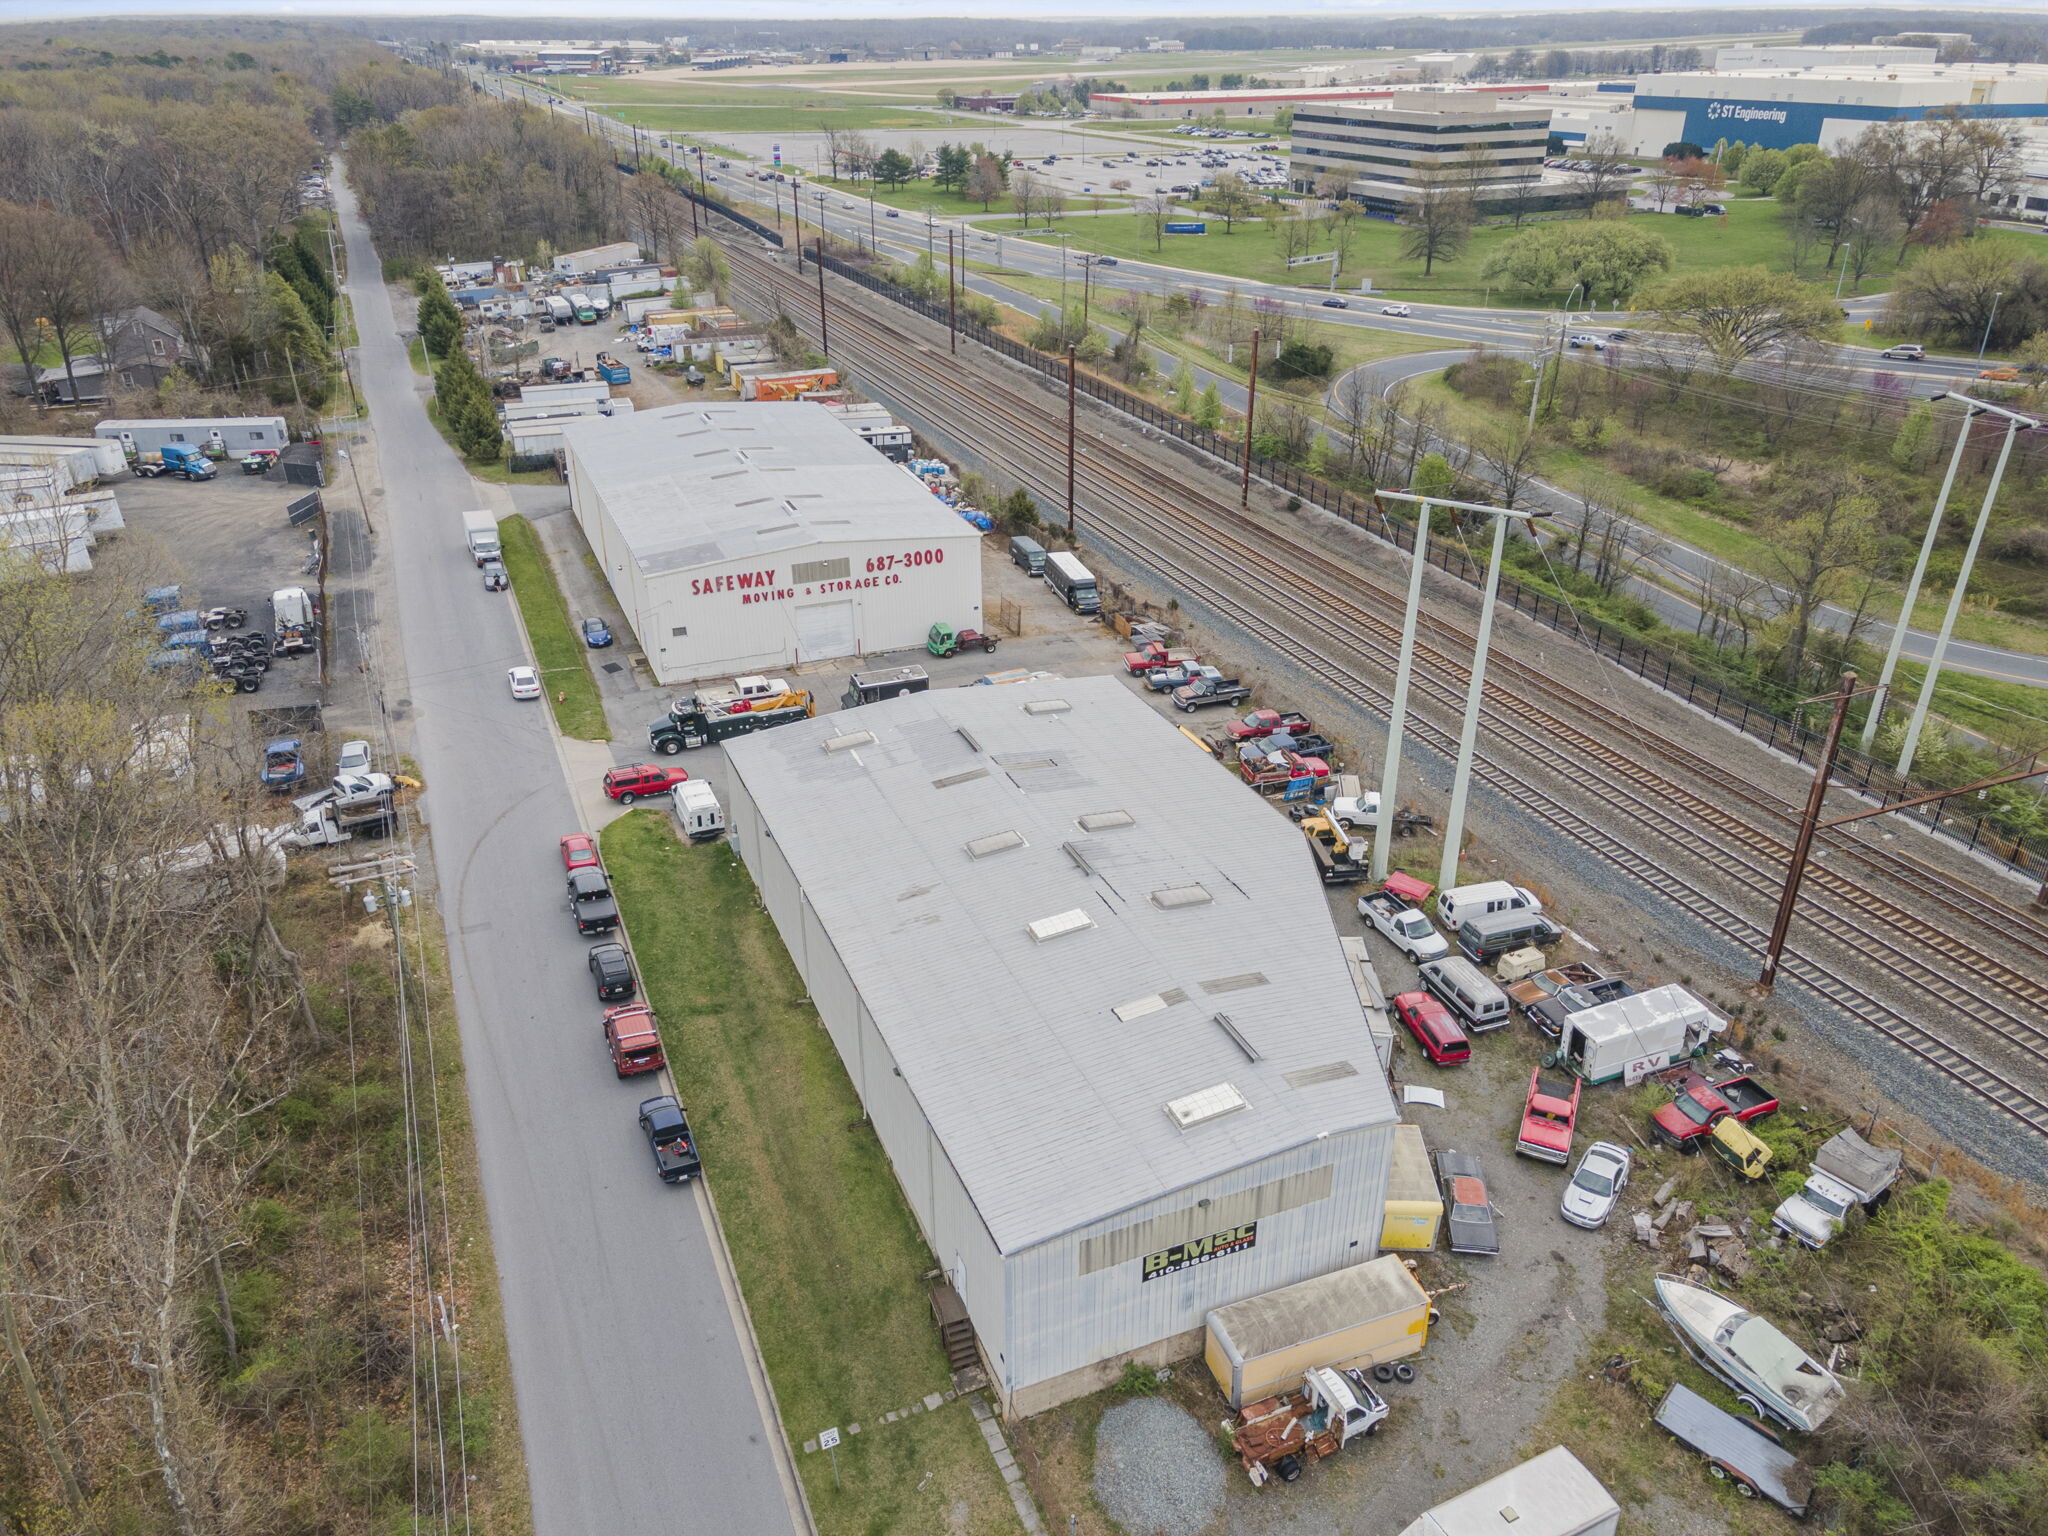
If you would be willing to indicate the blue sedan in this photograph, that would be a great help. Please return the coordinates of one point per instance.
(596, 634)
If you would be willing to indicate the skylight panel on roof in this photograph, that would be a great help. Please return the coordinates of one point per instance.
(959, 778)
(1047, 707)
(995, 842)
(850, 739)
(1174, 897)
(1205, 1104)
(1137, 1008)
(1237, 983)
(1059, 924)
(1102, 821)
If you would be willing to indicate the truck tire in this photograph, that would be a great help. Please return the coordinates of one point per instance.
(1383, 1373)
(1288, 1468)
(1402, 1372)
(669, 746)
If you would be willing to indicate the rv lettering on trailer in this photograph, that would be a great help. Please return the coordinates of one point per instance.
(1200, 1250)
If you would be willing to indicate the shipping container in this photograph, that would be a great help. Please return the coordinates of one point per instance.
(1363, 1315)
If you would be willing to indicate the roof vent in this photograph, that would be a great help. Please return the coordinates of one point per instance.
(959, 778)
(1047, 707)
(1251, 1052)
(1075, 852)
(1019, 763)
(972, 744)
(1059, 923)
(1173, 897)
(997, 842)
(850, 739)
(1329, 1072)
(1204, 1105)
(1102, 821)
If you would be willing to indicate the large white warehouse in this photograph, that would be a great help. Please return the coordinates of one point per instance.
(1089, 992)
(745, 537)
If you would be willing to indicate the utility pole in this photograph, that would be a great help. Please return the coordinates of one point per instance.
(952, 295)
(1905, 619)
(2014, 423)
(796, 212)
(1397, 721)
(1251, 409)
(1795, 873)
(1070, 440)
(824, 334)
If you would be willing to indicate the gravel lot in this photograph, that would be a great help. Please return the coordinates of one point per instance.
(1157, 1472)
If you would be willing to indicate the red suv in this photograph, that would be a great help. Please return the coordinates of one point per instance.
(1442, 1041)
(626, 785)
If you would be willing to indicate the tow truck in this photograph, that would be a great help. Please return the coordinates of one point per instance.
(1340, 857)
(1280, 1436)
(754, 704)
(1548, 1116)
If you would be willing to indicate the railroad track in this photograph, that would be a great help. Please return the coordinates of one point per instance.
(941, 395)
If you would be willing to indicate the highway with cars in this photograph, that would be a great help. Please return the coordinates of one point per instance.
(636, 1402)
(1681, 571)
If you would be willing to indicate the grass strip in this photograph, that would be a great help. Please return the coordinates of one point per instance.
(557, 650)
(827, 1253)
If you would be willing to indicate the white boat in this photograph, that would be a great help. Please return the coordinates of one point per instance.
(1768, 1371)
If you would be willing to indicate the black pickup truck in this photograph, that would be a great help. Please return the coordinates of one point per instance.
(1549, 1014)
(591, 901)
(667, 1130)
(1204, 691)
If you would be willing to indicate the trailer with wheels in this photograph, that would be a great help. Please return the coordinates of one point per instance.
(1742, 1454)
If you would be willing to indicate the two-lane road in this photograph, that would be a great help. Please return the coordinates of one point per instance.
(635, 1402)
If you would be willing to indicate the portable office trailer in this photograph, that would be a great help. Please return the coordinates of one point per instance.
(234, 434)
(1415, 1206)
(1632, 1037)
(89, 458)
(575, 263)
(1366, 1314)
(559, 394)
(1548, 1495)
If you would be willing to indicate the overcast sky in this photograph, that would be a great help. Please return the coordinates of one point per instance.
(678, 16)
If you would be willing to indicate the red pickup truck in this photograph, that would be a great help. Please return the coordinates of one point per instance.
(1697, 1106)
(1270, 771)
(1261, 723)
(1548, 1117)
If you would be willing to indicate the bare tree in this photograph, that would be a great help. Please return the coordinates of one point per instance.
(1153, 214)
(1510, 455)
(1437, 221)
(1608, 170)
(1822, 546)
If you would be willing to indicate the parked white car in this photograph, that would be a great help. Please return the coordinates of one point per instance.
(1603, 1174)
(525, 682)
(355, 758)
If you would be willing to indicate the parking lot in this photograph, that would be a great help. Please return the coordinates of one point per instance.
(227, 543)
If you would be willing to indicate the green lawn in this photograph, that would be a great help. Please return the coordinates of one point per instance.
(1752, 233)
(827, 1254)
(558, 650)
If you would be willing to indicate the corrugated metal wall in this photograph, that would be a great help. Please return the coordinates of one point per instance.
(1061, 1319)
(948, 1218)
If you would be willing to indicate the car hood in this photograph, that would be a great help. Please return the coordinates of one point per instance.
(1584, 1203)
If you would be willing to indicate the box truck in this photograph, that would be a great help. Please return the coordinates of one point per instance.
(1548, 1495)
(1364, 1315)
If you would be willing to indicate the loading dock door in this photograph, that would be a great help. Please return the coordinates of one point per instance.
(824, 630)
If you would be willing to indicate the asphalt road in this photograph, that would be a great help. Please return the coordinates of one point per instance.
(1685, 568)
(636, 1405)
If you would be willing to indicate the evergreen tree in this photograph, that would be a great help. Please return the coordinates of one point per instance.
(1433, 476)
(1915, 434)
(1184, 390)
(1209, 408)
(440, 322)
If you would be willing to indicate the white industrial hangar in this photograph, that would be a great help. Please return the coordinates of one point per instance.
(1113, 1050)
(746, 537)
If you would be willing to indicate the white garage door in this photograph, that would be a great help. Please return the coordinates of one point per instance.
(824, 630)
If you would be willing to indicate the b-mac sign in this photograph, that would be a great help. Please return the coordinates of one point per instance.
(1200, 1250)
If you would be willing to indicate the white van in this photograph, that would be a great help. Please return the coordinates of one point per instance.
(697, 810)
(1460, 902)
(1466, 990)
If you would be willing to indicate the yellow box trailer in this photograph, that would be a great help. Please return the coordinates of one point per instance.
(1364, 1315)
(1415, 1208)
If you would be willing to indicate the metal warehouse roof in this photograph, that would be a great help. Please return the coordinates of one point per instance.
(704, 484)
(1062, 917)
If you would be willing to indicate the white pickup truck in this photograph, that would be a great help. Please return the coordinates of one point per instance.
(1848, 1178)
(1402, 925)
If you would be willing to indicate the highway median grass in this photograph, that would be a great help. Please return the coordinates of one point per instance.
(827, 1253)
(557, 649)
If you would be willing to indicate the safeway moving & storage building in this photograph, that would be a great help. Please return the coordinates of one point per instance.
(744, 537)
(1122, 1073)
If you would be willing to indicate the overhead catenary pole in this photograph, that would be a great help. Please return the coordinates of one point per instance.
(796, 212)
(952, 295)
(1397, 718)
(2013, 424)
(824, 332)
(1070, 440)
(1905, 619)
(1468, 734)
(1251, 407)
(1795, 873)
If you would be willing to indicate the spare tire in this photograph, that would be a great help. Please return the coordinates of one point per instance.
(1383, 1373)
(1404, 1372)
